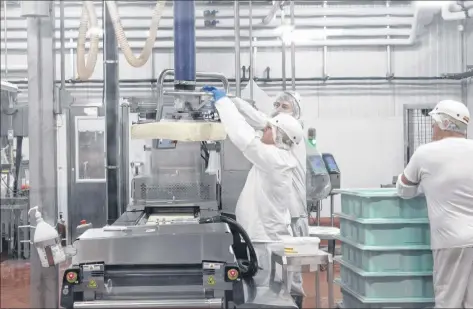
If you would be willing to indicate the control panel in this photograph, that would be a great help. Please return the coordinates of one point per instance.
(332, 169)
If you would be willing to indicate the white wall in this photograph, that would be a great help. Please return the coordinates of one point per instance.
(362, 125)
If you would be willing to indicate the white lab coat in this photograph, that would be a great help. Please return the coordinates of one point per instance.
(262, 206)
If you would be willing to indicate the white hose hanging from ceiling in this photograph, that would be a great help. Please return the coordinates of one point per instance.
(121, 37)
(88, 21)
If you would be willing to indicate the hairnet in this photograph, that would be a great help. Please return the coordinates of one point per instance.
(281, 140)
(448, 123)
(292, 98)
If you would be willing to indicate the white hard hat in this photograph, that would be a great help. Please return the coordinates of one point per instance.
(289, 125)
(454, 109)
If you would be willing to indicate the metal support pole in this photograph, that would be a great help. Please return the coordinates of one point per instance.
(237, 48)
(63, 44)
(325, 49)
(293, 48)
(111, 104)
(44, 285)
(5, 39)
(125, 149)
(283, 54)
(389, 72)
(251, 50)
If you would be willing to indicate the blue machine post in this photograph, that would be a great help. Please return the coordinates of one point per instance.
(184, 45)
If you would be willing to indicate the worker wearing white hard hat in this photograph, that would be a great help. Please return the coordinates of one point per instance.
(443, 170)
(262, 206)
(287, 102)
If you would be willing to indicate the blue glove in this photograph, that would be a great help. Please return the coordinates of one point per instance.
(217, 93)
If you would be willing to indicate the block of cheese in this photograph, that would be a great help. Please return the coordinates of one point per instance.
(182, 131)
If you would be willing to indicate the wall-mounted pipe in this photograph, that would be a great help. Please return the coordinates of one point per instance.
(252, 70)
(184, 45)
(325, 49)
(293, 48)
(5, 37)
(389, 72)
(62, 35)
(237, 45)
(272, 12)
(283, 54)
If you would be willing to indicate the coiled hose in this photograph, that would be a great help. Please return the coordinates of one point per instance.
(248, 268)
(121, 37)
(88, 21)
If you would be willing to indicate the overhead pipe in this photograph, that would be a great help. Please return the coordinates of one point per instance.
(237, 45)
(462, 11)
(293, 48)
(325, 50)
(5, 37)
(251, 72)
(259, 11)
(205, 33)
(283, 55)
(277, 5)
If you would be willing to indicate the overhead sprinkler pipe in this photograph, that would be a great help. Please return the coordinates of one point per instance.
(184, 45)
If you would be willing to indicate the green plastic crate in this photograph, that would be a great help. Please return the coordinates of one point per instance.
(385, 232)
(385, 284)
(387, 258)
(353, 300)
(381, 203)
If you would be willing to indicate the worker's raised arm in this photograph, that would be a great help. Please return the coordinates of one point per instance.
(254, 117)
(408, 182)
(243, 136)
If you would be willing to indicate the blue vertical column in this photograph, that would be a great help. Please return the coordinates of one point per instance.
(184, 45)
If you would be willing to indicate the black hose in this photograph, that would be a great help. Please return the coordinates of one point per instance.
(16, 183)
(248, 268)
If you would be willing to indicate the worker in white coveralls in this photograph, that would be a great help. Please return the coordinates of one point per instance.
(262, 207)
(443, 170)
(287, 102)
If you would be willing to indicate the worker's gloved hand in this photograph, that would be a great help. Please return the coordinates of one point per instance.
(217, 93)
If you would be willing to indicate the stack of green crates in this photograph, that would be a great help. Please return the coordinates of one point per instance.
(386, 260)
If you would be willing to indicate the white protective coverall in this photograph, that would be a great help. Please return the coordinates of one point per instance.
(443, 170)
(262, 206)
(298, 205)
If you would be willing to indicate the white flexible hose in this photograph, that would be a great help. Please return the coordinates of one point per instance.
(85, 69)
(121, 37)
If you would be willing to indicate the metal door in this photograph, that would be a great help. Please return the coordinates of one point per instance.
(87, 190)
(417, 128)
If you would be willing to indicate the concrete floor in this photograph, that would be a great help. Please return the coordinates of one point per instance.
(15, 277)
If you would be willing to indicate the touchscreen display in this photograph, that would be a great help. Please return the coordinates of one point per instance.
(317, 164)
(331, 165)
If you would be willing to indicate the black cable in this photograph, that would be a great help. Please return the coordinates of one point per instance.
(250, 267)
